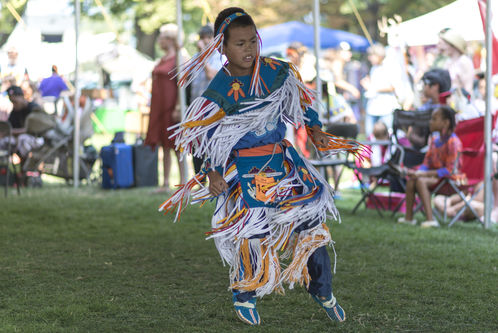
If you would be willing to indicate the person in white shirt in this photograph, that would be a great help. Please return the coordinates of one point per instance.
(380, 86)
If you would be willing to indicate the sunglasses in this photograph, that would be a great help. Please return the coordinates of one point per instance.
(427, 82)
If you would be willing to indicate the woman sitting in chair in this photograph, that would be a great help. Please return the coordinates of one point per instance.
(440, 160)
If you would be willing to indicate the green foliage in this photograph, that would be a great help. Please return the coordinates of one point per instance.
(7, 20)
(149, 14)
(338, 14)
(90, 260)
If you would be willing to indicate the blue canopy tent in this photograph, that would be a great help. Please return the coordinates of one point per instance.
(277, 37)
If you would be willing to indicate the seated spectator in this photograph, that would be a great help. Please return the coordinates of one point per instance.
(454, 203)
(31, 92)
(439, 162)
(23, 141)
(380, 153)
(436, 89)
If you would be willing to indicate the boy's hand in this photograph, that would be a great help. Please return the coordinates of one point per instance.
(319, 138)
(217, 184)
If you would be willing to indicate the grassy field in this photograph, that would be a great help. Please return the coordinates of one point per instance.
(90, 260)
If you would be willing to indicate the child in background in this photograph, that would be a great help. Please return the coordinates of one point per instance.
(268, 198)
(440, 161)
(380, 152)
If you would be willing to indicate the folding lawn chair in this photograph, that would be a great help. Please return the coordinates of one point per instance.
(402, 120)
(384, 174)
(471, 173)
(6, 164)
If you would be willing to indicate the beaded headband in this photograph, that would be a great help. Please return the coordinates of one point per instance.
(229, 20)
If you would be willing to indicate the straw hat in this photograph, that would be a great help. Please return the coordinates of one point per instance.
(453, 38)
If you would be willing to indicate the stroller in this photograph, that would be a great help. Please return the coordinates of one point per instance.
(55, 157)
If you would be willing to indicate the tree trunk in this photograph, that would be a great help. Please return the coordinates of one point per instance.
(145, 42)
(373, 10)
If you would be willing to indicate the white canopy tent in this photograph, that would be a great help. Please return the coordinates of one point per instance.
(462, 16)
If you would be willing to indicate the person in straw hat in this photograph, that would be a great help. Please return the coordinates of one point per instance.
(459, 64)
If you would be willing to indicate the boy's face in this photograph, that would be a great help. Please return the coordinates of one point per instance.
(241, 50)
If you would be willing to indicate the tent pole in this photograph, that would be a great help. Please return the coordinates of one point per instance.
(488, 195)
(76, 137)
(179, 62)
(316, 24)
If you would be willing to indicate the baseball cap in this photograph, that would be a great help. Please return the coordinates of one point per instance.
(439, 76)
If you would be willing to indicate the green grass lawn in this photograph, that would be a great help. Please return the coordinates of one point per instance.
(90, 260)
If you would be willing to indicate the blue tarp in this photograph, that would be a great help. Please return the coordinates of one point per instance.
(294, 31)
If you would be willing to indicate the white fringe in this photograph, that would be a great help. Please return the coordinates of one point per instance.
(195, 66)
(283, 103)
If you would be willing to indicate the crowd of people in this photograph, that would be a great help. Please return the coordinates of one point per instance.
(447, 82)
(21, 98)
(362, 89)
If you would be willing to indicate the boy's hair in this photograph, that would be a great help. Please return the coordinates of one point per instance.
(242, 21)
(448, 113)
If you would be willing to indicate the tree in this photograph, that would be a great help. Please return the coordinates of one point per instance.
(149, 15)
(8, 21)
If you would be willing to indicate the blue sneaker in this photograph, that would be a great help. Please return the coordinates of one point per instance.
(246, 311)
(334, 310)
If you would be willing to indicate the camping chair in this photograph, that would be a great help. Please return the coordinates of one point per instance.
(344, 130)
(471, 173)
(55, 157)
(384, 174)
(6, 163)
(402, 120)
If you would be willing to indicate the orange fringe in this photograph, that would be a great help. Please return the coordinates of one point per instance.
(359, 150)
(217, 116)
(169, 205)
(308, 248)
(251, 282)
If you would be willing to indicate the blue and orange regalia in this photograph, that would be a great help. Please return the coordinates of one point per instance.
(276, 202)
